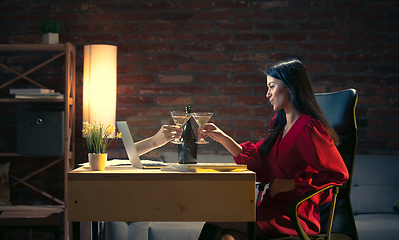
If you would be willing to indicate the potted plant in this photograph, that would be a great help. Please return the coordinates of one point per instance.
(98, 138)
(51, 29)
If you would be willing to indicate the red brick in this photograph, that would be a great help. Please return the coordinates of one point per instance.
(154, 112)
(234, 90)
(366, 15)
(383, 111)
(372, 100)
(137, 16)
(176, 16)
(183, 101)
(367, 37)
(382, 133)
(375, 123)
(212, 100)
(135, 100)
(384, 47)
(310, 47)
(175, 78)
(156, 5)
(83, 28)
(289, 36)
(144, 132)
(153, 47)
(250, 78)
(250, 15)
(194, 26)
(156, 90)
(158, 68)
(42, 8)
(146, 122)
(346, 5)
(260, 133)
(174, 58)
(369, 144)
(100, 17)
(384, 90)
(11, 8)
(394, 123)
(328, 36)
(393, 144)
(122, 89)
(134, 58)
(100, 38)
(195, 5)
(233, 47)
(350, 27)
(175, 37)
(231, 5)
(138, 37)
(217, 37)
(383, 5)
(391, 57)
(364, 80)
(271, 46)
(234, 111)
(349, 68)
(289, 15)
(271, 4)
(158, 27)
(251, 57)
(245, 123)
(325, 58)
(252, 37)
(262, 26)
(212, 57)
(348, 47)
(212, 78)
(229, 26)
(79, 7)
(194, 90)
(121, 112)
(309, 5)
(328, 16)
(136, 79)
(394, 101)
(126, 47)
(329, 79)
(120, 27)
(195, 47)
(25, 18)
(362, 58)
(317, 67)
(214, 15)
(314, 26)
(250, 100)
(236, 67)
(129, 68)
(197, 67)
(393, 16)
(12, 29)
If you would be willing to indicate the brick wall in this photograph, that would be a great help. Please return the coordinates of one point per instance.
(211, 54)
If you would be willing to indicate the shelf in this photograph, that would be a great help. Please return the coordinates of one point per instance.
(13, 100)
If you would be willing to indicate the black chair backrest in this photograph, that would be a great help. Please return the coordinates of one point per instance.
(339, 109)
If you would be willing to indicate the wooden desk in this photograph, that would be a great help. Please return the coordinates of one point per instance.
(136, 195)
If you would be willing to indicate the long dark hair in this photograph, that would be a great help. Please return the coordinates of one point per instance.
(294, 75)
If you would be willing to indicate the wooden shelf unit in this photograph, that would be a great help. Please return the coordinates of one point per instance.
(69, 51)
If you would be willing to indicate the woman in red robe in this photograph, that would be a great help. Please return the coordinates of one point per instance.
(298, 155)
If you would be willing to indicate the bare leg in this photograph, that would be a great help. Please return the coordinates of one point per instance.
(235, 230)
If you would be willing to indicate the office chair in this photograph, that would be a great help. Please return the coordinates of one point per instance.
(339, 109)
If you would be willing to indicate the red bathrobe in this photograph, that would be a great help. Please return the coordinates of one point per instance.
(307, 154)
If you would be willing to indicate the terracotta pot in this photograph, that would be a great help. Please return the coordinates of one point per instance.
(97, 161)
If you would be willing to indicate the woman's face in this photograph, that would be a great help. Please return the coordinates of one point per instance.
(278, 93)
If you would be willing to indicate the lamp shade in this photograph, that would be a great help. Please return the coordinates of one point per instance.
(99, 84)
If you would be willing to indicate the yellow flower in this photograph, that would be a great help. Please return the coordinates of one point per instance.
(97, 136)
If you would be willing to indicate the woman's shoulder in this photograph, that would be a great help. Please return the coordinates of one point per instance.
(312, 126)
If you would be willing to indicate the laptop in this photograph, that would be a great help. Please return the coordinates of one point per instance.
(132, 151)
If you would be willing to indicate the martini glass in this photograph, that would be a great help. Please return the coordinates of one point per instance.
(180, 118)
(201, 118)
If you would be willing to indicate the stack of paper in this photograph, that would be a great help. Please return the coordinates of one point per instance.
(36, 93)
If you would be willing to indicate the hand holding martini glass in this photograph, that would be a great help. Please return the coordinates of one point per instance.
(202, 119)
(180, 118)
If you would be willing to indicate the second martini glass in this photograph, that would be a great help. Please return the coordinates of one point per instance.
(201, 118)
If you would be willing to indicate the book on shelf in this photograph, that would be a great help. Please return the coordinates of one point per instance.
(55, 95)
(30, 90)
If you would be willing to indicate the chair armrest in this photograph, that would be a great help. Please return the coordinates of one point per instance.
(293, 207)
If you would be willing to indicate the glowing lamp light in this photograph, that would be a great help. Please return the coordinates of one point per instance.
(99, 84)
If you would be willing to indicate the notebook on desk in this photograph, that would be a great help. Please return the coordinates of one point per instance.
(131, 150)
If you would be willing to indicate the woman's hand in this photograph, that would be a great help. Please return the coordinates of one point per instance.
(167, 133)
(281, 185)
(212, 131)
